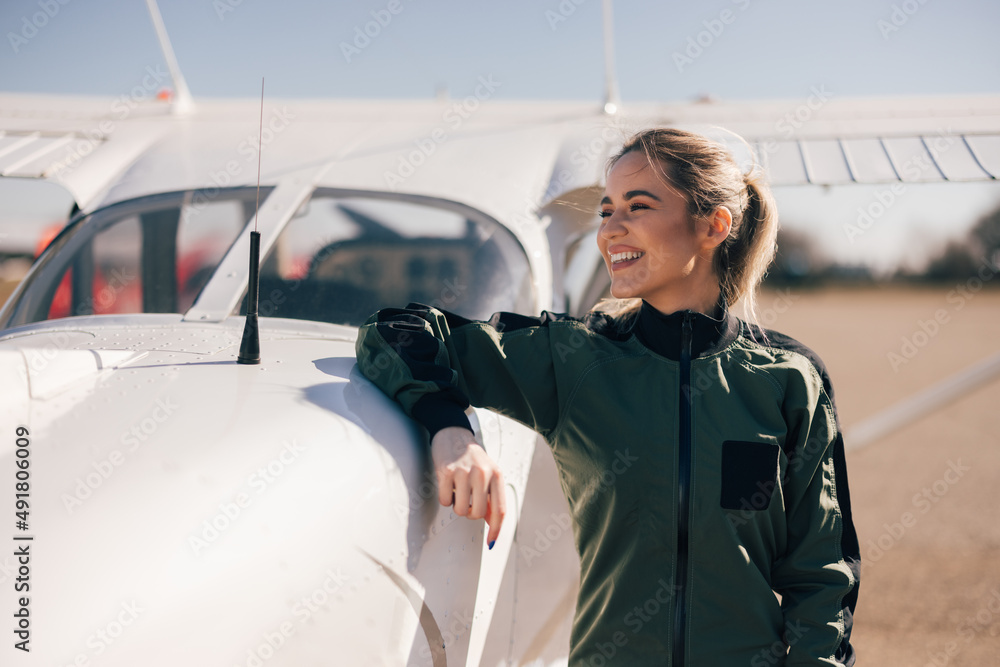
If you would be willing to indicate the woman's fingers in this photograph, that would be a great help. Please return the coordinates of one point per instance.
(446, 489)
(478, 491)
(497, 508)
(462, 491)
(468, 478)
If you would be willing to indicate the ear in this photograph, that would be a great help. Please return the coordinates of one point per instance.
(717, 230)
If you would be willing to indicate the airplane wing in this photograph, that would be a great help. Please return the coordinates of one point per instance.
(80, 143)
(824, 140)
(86, 143)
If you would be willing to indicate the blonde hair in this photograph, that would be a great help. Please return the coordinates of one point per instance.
(706, 173)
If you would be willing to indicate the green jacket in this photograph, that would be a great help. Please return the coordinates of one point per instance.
(701, 458)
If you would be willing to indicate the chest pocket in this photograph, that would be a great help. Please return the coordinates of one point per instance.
(749, 474)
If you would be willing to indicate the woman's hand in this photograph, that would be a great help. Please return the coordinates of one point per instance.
(468, 478)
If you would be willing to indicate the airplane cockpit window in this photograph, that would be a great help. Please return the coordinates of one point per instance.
(148, 255)
(344, 256)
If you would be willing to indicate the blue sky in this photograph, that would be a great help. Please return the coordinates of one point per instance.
(540, 48)
(544, 49)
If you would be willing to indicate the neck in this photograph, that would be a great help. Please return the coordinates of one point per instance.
(698, 293)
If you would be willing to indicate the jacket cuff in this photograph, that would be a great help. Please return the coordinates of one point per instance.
(436, 412)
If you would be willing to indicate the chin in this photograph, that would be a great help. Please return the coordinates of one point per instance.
(623, 292)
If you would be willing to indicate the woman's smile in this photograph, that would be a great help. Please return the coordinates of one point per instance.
(623, 257)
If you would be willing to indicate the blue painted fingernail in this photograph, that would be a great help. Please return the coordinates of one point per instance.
(492, 543)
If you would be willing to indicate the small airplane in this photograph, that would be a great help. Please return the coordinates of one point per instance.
(177, 507)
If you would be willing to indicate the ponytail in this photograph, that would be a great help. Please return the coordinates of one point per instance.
(742, 259)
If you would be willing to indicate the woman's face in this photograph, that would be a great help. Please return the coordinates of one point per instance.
(648, 239)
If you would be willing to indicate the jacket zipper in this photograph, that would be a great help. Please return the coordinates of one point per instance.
(683, 495)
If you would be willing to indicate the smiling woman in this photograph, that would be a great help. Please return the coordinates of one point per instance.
(732, 539)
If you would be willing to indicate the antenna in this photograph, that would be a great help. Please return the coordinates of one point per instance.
(250, 346)
(612, 101)
(183, 102)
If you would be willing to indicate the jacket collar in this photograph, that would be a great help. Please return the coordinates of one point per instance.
(662, 333)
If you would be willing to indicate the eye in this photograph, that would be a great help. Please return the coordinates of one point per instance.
(635, 206)
(605, 213)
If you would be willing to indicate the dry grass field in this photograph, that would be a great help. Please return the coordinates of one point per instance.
(925, 498)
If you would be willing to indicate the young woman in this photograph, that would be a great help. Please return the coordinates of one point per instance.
(737, 488)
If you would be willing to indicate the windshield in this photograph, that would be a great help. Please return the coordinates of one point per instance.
(342, 256)
(347, 254)
(148, 255)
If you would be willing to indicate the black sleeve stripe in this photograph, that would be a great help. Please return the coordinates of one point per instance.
(437, 412)
(849, 545)
(780, 341)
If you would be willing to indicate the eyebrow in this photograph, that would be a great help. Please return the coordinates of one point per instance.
(632, 194)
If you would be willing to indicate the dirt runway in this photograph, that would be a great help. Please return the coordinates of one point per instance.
(925, 498)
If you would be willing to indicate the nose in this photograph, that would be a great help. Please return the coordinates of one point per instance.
(612, 226)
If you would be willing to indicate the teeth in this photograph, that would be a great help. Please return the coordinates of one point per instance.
(624, 256)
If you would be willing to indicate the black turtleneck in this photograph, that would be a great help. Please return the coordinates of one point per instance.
(662, 333)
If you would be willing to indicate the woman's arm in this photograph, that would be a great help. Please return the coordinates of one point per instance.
(819, 573)
(435, 364)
